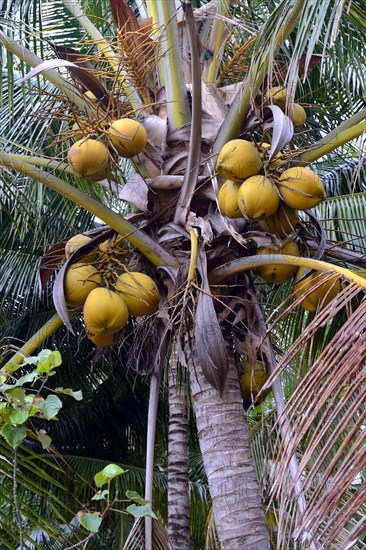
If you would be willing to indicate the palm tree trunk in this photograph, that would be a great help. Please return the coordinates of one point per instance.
(228, 461)
(178, 461)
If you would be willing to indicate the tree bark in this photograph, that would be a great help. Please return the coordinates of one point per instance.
(227, 456)
(178, 461)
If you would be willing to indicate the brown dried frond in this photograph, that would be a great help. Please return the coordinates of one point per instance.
(326, 415)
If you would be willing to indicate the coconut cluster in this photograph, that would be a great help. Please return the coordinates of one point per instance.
(90, 157)
(278, 96)
(272, 198)
(108, 297)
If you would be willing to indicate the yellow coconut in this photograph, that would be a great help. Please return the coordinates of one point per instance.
(276, 162)
(277, 273)
(282, 223)
(102, 340)
(258, 198)
(228, 199)
(301, 188)
(277, 95)
(76, 242)
(128, 137)
(319, 297)
(238, 160)
(105, 312)
(80, 279)
(89, 158)
(115, 246)
(252, 380)
(139, 291)
(297, 114)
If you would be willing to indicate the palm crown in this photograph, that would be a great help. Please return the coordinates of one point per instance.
(197, 79)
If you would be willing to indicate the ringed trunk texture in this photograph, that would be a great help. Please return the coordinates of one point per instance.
(227, 457)
(178, 462)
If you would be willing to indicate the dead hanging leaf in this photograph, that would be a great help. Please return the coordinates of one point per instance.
(321, 234)
(208, 338)
(49, 262)
(83, 73)
(90, 81)
(135, 192)
(134, 38)
(156, 129)
(283, 130)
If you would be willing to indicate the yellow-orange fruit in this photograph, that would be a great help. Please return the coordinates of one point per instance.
(79, 281)
(277, 95)
(297, 114)
(319, 297)
(278, 273)
(238, 160)
(116, 246)
(105, 312)
(252, 380)
(89, 158)
(228, 199)
(258, 198)
(276, 162)
(139, 291)
(301, 188)
(282, 223)
(128, 137)
(76, 242)
(102, 340)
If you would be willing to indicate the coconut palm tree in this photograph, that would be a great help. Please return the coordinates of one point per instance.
(196, 79)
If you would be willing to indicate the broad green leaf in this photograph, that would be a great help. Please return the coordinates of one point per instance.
(50, 406)
(14, 435)
(108, 473)
(101, 495)
(44, 439)
(48, 360)
(136, 497)
(16, 394)
(19, 416)
(3, 379)
(78, 395)
(5, 413)
(141, 511)
(90, 520)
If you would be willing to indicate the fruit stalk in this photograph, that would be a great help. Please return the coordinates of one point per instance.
(36, 340)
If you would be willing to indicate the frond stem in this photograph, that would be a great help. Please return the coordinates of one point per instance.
(332, 141)
(230, 269)
(151, 250)
(194, 151)
(35, 341)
